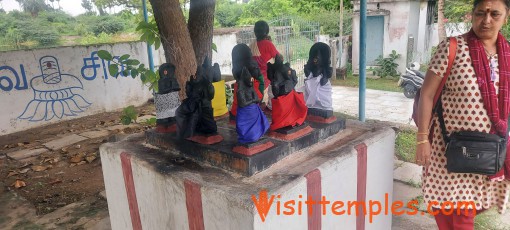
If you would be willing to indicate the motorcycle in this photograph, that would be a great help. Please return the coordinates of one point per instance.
(412, 80)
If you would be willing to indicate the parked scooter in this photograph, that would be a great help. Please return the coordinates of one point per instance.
(412, 80)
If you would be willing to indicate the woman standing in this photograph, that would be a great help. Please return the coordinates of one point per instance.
(475, 98)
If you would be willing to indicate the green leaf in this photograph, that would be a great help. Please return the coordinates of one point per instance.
(124, 57)
(214, 48)
(125, 120)
(143, 37)
(143, 78)
(150, 39)
(132, 62)
(125, 73)
(134, 73)
(103, 54)
(130, 111)
(113, 69)
(157, 43)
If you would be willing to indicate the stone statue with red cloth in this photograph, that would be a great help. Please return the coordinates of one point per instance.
(289, 108)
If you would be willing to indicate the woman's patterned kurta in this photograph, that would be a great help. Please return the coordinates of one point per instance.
(463, 110)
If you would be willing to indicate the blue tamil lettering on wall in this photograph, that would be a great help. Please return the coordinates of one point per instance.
(8, 74)
(55, 94)
(91, 65)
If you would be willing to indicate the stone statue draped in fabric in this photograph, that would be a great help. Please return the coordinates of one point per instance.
(251, 122)
(213, 75)
(318, 90)
(167, 99)
(242, 58)
(288, 106)
(195, 115)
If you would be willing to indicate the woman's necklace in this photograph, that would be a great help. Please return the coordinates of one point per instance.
(492, 64)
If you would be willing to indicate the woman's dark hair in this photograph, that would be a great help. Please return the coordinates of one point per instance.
(261, 30)
(476, 2)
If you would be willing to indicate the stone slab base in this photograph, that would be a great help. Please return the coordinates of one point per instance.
(149, 188)
(206, 140)
(222, 155)
(166, 128)
(253, 148)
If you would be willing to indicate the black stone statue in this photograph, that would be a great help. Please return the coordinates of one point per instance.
(246, 94)
(283, 78)
(212, 72)
(167, 98)
(195, 115)
(318, 89)
(319, 61)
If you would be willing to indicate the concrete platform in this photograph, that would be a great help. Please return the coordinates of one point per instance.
(223, 156)
(150, 188)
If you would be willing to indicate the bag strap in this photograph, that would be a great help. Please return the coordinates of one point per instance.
(451, 57)
(437, 98)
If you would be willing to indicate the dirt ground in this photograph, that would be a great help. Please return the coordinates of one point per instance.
(65, 176)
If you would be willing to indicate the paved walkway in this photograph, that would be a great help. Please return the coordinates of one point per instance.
(379, 105)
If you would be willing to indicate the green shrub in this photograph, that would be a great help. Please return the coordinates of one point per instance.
(108, 24)
(228, 13)
(387, 67)
(46, 37)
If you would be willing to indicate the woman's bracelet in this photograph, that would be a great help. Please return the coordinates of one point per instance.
(422, 142)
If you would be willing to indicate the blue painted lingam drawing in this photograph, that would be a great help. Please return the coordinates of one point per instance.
(55, 94)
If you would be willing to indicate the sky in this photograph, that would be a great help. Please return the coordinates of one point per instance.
(72, 7)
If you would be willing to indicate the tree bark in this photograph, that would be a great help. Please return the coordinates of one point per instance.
(175, 39)
(440, 20)
(200, 26)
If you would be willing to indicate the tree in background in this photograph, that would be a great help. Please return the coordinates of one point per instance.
(181, 48)
(441, 20)
(33, 6)
(87, 5)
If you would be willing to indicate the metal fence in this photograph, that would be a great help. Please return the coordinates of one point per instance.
(293, 38)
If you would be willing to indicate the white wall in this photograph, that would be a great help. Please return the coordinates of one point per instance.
(224, 43)
(76, 90)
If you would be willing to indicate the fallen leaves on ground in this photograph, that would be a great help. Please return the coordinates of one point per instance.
(56, 181)
(19, 183)
(76, 159)
(39, 168)
(12, 173)
(90, 158)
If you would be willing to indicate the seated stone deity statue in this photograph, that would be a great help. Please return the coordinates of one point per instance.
(318, 90)
(167, 98)
(288, 106)
(251, 122)
(195, 115)
(242, 58)
(213, 74)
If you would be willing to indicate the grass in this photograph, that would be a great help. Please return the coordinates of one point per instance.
(386, 84)
(405, 145)
(489, 220)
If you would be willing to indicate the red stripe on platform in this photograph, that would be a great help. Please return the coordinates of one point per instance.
(362, 184)
(129, 183)
(314, 190)
(194, 205)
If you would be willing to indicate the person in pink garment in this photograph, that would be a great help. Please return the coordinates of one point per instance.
(264, 51)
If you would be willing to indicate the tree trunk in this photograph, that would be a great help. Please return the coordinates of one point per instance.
(200, 26)
(175, 39)
(440, 20)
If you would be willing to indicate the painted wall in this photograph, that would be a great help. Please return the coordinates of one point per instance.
(398, 16)
(45, 86)
(221, 200)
